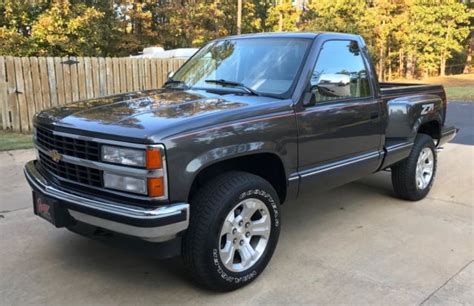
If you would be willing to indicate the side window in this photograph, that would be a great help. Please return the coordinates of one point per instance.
(340, 72)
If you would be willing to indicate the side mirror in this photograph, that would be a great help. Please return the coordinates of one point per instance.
(334, 85)
(309, 98)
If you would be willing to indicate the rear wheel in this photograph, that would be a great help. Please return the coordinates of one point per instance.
(413, 177)
(233, 231)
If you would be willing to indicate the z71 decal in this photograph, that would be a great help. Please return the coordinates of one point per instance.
(426, 108)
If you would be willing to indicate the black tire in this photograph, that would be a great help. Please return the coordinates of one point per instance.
(209, 208)
(404, 173)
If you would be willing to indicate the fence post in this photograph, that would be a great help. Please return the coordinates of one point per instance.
(3, 94)
(3, 99)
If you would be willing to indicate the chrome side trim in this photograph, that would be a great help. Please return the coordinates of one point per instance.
(341, 163)
(399, 146)
(293, 177)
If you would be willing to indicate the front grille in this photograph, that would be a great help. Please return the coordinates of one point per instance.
(72, 172)
(67, 146)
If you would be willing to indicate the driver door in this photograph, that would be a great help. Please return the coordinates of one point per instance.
(340, 132)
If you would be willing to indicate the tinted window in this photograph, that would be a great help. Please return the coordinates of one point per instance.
(266, 65)
(340, 72)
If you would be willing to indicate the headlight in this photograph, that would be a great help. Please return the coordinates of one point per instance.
(152, 158)
(125, 183)
(123, 156)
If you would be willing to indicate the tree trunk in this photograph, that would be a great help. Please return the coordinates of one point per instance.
(280, 23)
(239, 17)
(299, 6)
(413, 66)
(410, 66)
(442, 66)
(401, 72)
(388, 75)
(381, 66)
(470, 49)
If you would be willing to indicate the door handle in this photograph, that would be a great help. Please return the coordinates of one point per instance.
(374, 115)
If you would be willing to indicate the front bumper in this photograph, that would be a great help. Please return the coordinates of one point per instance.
(156, 224)
(447, 134)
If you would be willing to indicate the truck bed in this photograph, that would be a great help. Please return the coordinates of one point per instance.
(391, 90)
(396, 94)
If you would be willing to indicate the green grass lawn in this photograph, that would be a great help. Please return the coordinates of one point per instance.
(14, 141)
(460, 93)
(458, 87)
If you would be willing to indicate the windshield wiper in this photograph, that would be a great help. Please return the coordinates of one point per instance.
(233, 84)
(171, 81)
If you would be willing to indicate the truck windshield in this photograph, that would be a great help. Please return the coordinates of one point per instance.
(261, 66)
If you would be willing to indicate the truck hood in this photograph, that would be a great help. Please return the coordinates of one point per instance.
(141, 115)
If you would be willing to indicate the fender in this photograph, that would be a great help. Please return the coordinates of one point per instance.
(405, 117)
(188, 154)
(407, 114)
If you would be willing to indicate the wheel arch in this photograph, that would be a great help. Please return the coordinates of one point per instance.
(431, 128)
(267, 165)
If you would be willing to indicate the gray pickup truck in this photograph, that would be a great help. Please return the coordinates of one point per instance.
(201, 166)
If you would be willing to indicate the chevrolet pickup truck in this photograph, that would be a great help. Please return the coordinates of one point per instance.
(201, 166)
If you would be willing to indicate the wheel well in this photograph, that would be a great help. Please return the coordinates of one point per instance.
(431, 128)
(266, 165)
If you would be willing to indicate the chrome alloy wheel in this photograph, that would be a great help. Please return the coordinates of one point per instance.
(424, 168)
(244, 235)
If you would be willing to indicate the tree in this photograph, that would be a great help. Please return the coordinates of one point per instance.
(437, 28)
(255, 16)
(346, 16)
(408, 36)
(383, 17)
(15, 26)
(453, 18)
(283, 16)
(66, 29)
(470, 40)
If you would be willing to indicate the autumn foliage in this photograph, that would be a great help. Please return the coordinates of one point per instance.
(407, 38)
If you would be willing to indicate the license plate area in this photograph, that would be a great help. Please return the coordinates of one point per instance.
(50, 210)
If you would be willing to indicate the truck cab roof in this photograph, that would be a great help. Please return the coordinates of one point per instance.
(305, 35)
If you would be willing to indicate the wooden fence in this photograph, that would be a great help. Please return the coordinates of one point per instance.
(30, 84)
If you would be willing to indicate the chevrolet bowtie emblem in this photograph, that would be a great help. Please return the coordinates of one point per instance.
(55, 155)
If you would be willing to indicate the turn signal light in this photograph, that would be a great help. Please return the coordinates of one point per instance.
(156, 187)
(153, 158)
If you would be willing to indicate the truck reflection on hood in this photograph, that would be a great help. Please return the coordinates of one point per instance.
(128, 109)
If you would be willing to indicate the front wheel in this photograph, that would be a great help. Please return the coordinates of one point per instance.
(413, 177)
(233, 231)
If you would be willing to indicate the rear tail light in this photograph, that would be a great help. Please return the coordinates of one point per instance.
(445, 104)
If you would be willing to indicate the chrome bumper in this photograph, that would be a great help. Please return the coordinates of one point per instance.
(447, 134)
(155, 224)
